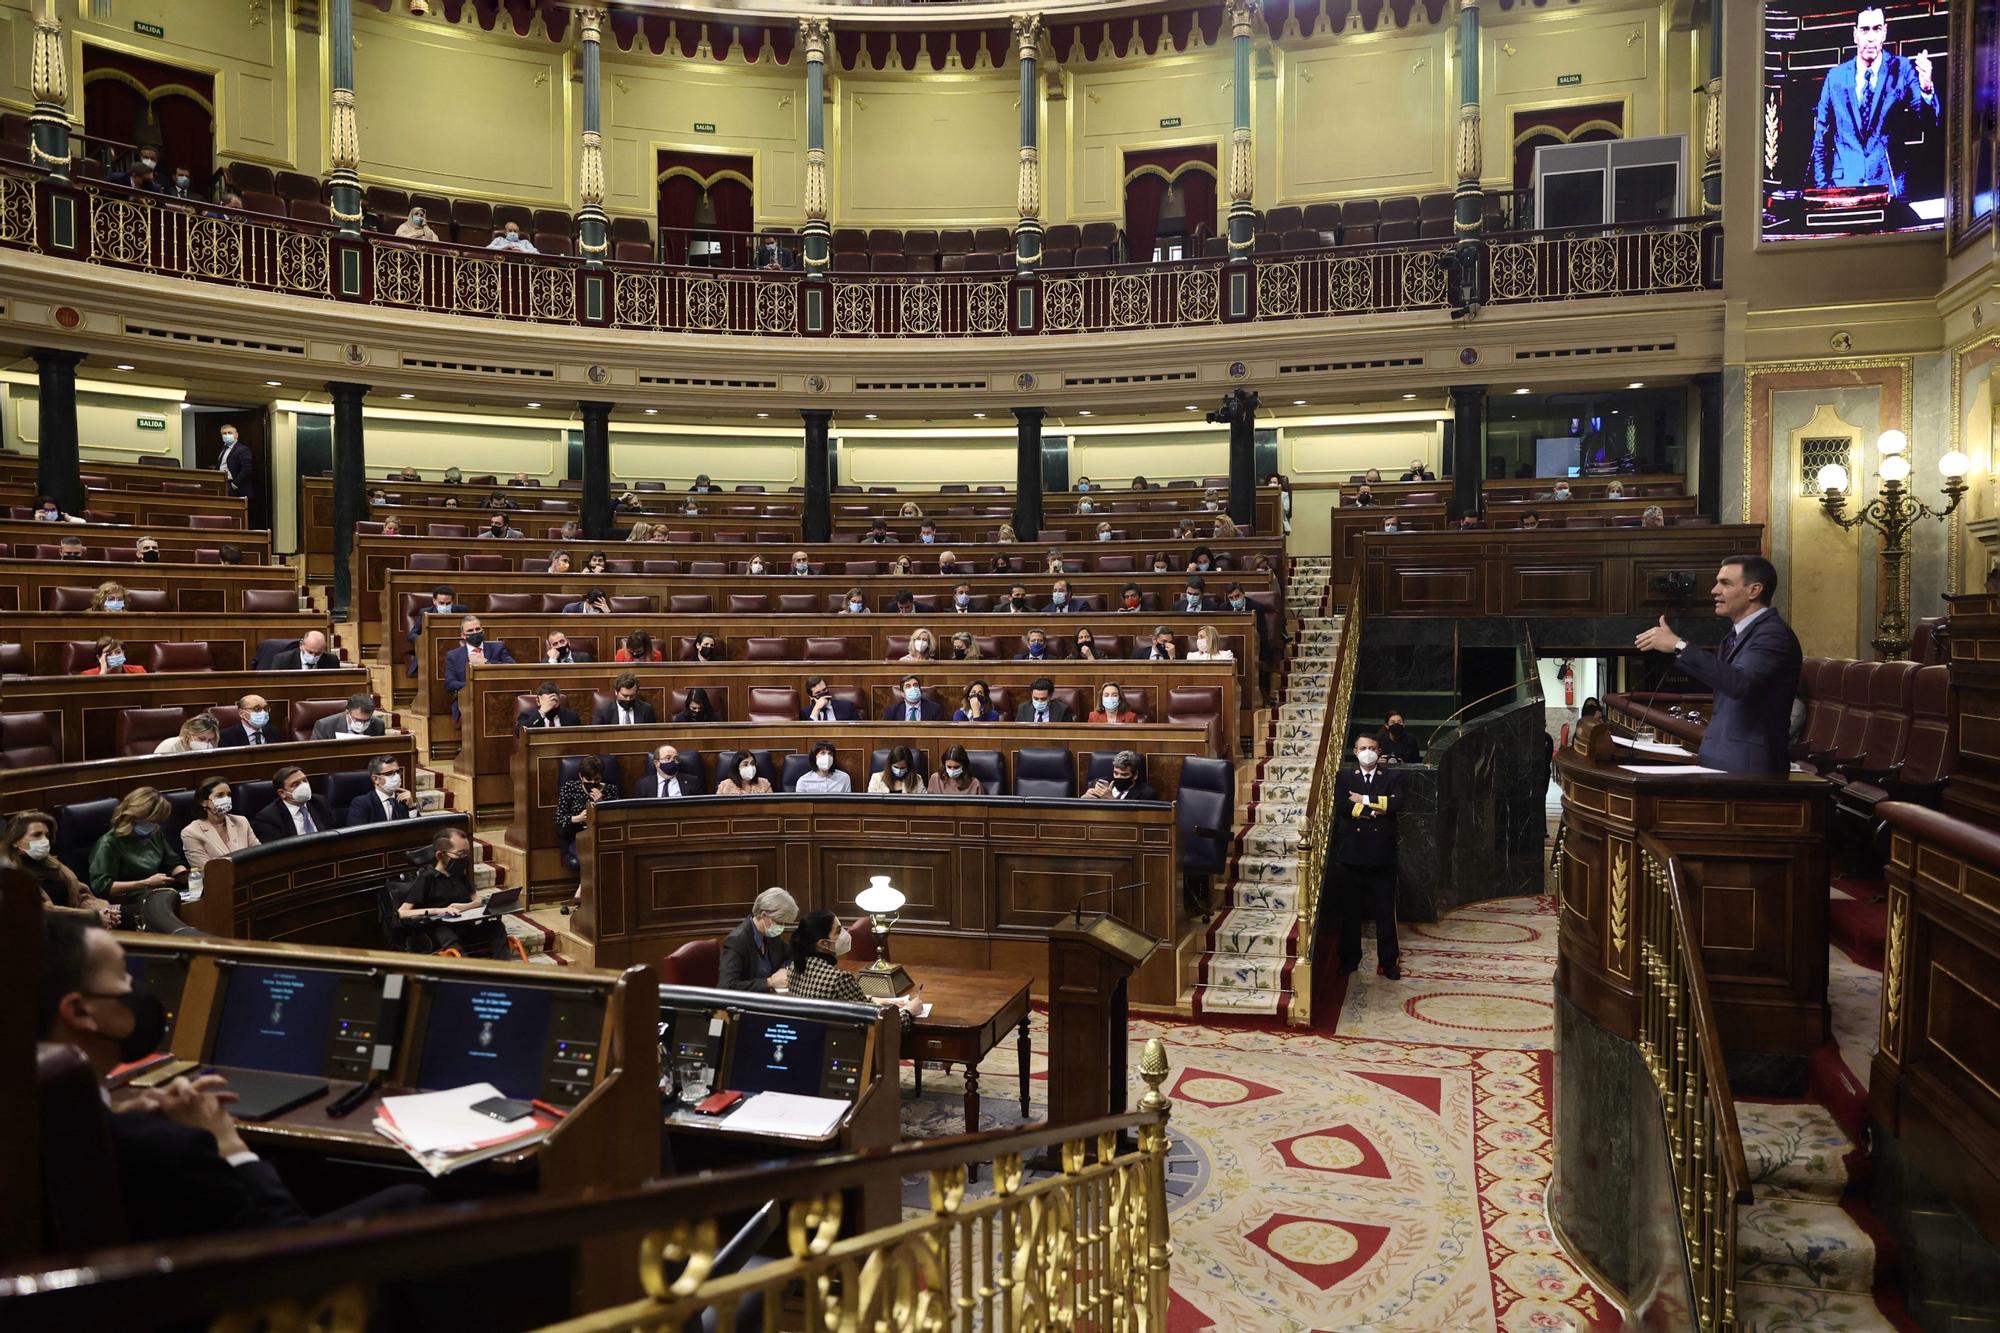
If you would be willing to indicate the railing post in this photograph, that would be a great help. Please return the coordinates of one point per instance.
(345, 155)
(49, 77)
(590, 163)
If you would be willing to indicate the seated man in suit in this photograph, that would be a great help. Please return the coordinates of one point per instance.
(183, 1169)
(548, 710)
(754, 955)
(296, 812)
(359, 720)
(1037, 648)
(473, 650)
(1236, 598)
(443, 602)
(596, 602)
(821, 706)
(624, 707)
(309, 654)
(1061, 603)
(1124, 784)
(1041, 704)
(557, 649)
(253, 728)
(387, 800)
(1194, 597)
(1754, 673)
(914, 705)
(665, 778)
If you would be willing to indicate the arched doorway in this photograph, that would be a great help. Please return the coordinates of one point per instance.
(129, 101)
(708, 205)
(1169, 202)
(1591, 122)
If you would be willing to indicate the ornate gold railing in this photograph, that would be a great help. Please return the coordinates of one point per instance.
(1682, 1048)
(128, 229)
(1086, 1247)
(1319, 802)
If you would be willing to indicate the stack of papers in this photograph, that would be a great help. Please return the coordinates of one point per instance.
(1651, 747)
(442, 1132)
(787, 1115)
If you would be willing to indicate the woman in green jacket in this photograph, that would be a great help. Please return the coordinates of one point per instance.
(133, 857)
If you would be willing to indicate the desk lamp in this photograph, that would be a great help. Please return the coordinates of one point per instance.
(883, 902)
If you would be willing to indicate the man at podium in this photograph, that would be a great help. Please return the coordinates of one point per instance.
(1754, 674)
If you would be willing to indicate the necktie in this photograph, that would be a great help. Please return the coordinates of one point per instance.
(254, 737)
(306, 821)
(1041, 715)
(911, 714)
(1868, 86)
(625, 715)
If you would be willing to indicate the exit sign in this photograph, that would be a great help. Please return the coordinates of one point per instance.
(148, 29)
(1170, 122)
(704, 127)
(1568, 80)
(152, 423)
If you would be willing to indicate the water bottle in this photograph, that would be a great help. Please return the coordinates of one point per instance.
(192, 893)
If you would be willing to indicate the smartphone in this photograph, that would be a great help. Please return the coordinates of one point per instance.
(504, 1108)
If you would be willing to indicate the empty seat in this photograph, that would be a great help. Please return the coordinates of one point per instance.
(822, 648)
(1092, 256)
(887, 263)
(990, 769)
(385, 199)
(552, 242)
(181, 657)
(1204, 809)
(885, 241)
(263, 201)
(308, 210)
(850, 261)
(689, 603)
(1284, 218)
(1888, 724)
(1203, 704)
(1100, 233)
(1043, 772)
(772, 703)
(763, 648)
(244, 177)
(955, 241)
(749, 604)
(471, 221)
(1402, 208)
(28, 740)
(1300, 238)
(695, 963)
(993, 239)
(632, 252)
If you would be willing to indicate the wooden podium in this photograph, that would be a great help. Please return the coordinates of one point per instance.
(1088, 968)
(1752, 848)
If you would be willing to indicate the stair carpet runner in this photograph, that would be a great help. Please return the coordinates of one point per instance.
(1252, 946)
(1807, 1252)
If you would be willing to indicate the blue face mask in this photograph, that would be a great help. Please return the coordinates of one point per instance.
(260, 719)
(46, 515)
(929, 538)
(1083, 486)
(114, 661)
(1036, 649)
(146, 829)
(114, 604)
(912, 694)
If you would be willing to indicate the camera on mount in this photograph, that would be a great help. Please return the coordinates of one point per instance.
(1238, 405)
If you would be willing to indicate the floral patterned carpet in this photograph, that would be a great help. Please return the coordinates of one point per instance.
(1387, 1179)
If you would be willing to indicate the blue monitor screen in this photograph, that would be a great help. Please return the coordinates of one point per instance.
(486, 1034)
(276, 1018)
(778, 1054)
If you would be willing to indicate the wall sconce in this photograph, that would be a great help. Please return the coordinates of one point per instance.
(1892, 513)
(883, 902)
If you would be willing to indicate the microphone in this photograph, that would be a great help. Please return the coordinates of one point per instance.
(1077, 918)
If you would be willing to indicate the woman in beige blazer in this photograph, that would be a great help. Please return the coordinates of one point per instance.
(216, 830)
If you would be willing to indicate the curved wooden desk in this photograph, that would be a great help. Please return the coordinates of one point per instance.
(986, 877)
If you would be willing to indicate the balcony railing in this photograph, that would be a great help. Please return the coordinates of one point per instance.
(125, 229)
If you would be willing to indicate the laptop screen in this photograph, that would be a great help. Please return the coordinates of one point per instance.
(296, 1020)
(775, 1053)
(527, 1041)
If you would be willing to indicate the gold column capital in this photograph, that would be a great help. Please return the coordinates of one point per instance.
(48, 74)
(1467, 4)
(1467, 155)
(1027, 34)
(815, 34)
(1242, 14)
(345, 146)
(815, 200)
(1242, 166)
(1028, 194)
(590, 25)
(590, 170)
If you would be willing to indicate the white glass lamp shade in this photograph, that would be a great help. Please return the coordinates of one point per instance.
(1893, 442)
(1954, 465)
(1894, 468)
(880, 898)
(1833, 477)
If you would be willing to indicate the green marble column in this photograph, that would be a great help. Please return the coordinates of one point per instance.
(345, 154)
(1242, 166)
(814, 36)
(1028, 234)
(590, 165)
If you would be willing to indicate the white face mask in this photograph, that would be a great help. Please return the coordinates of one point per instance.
(38, 849)
(922, 646)
(774, 930)
(756, 566)
(201, 745)
(899, 771)
(1366, 757)
(221, 805)
(843, 944)
(824, 763)
(357, 727)
(854, 607)
(391, 783)
(301, 794)
(747, 772)
(953, 771)
(1104, 536)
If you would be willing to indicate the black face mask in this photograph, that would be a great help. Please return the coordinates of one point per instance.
(72, 555)
(149, 1024)
(1122, 784)
(150, 557)
(474, 639)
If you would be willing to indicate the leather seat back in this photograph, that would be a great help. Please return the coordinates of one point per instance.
(28, 740)
(991, 770)
(772, 703)
(170, 656)
(306, 713)
(1206, 799)
(1856, 689)
(139, 730)
(749, 604)
(1044, 772)
(67, 599)
(269, 599)
(1203, 704)
(695, 963)
(78, 827)
(1888, 728)
(1823, 722)
(1928, 752)
(687, 604)
(763, 648)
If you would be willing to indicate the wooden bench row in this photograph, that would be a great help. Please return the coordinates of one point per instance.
(494, 698)
(33, 584)
(144, 508)
(101, 716)
(48, 639)
(27, 539)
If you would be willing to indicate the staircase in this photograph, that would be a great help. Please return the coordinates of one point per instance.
(1251, 947)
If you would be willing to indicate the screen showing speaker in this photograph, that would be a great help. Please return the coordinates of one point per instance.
(1854, 119)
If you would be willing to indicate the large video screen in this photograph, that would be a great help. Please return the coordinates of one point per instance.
(1854, 119)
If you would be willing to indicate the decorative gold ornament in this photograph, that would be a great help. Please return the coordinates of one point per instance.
(345, 151)
(1893, 974)
(1027, 35)
(590, 169)
(814, 35)
(1467, 155)
(1242, 14)
(48, 74)
(815, 185)
(1029, 193)
(1621, 889)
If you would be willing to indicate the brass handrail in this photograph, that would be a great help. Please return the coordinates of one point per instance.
(1087, 1246)
(1682, 1046)
(1319, 800)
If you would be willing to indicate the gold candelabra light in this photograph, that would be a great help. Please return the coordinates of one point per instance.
(883, 902)
(1892, 513)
